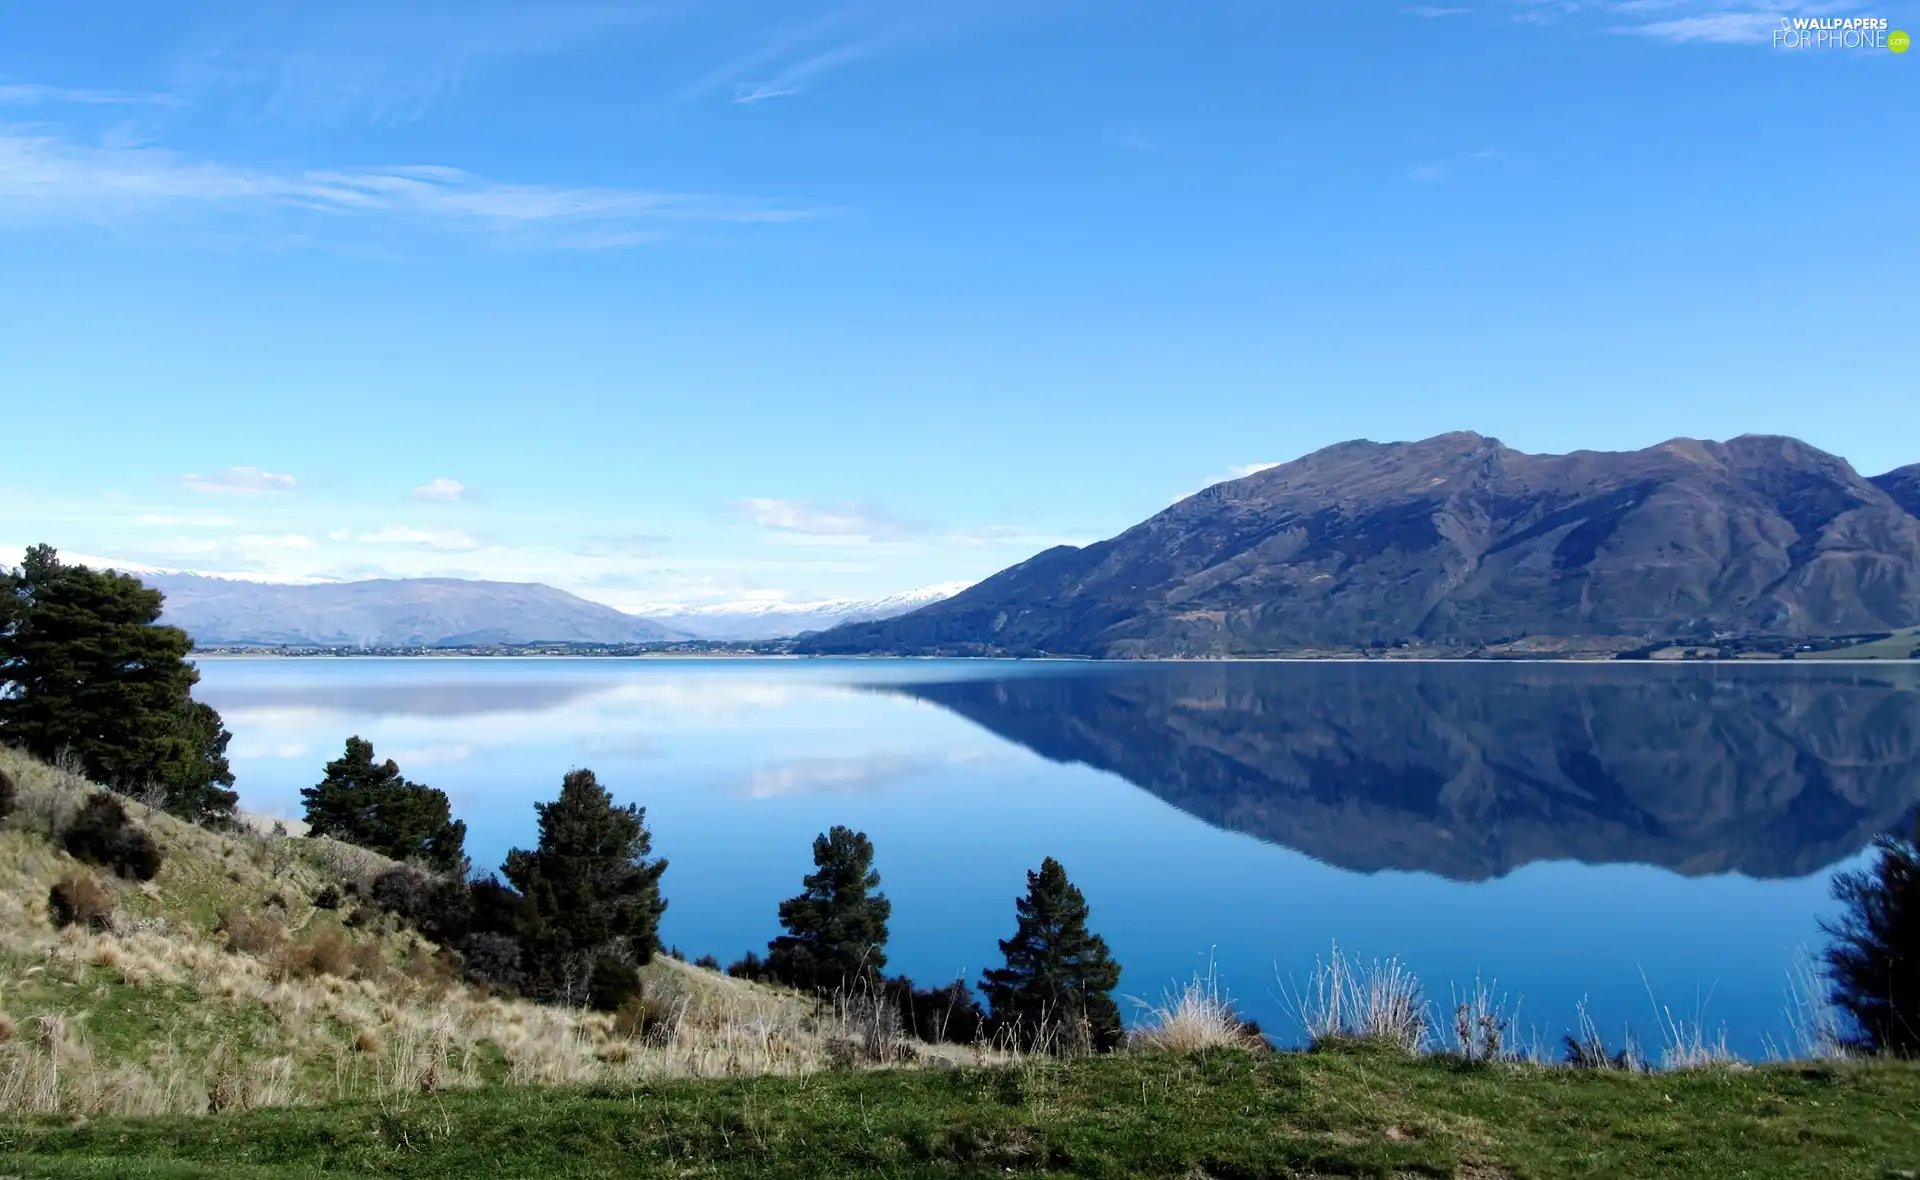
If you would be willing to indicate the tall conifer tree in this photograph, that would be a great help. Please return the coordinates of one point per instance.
(837, 927)
(87, 671)
(1056, 989)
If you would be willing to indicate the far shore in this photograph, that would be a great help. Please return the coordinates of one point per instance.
(788, 656)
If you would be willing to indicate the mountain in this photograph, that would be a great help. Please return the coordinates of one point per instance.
(1903, 486)
(426, 612)
(1469, 771)
(1453, 543)
(775, 620)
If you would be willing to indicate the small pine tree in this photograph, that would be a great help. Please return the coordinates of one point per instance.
(1873, 962)
(1056, 989)
(837, 927)
(369, 804)
(590, 886)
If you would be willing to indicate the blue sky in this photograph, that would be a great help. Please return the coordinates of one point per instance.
(697, 301)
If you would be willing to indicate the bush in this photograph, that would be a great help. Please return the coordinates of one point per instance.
(950, 1014)
(750, 966)
(332, 954)
(495, 960)
(246, 934)
(642, 1015)
(102, 835)
(438, 907)
(78, 900)
(707, 963)
(328, 898)
(1874, 959)
(9, 796)
(612, 983)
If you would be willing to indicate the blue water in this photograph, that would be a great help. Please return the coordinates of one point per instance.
(1637, 837)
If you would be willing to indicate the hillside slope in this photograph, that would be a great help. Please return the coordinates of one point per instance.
(425, 612)
(1903, 485)
(224, 983)
(1457, 542)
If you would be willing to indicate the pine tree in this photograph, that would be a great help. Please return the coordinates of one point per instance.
(837, 927)
(368, 804)
(591, 888)
(1874, 960)
(86, 671)
(1056, 989)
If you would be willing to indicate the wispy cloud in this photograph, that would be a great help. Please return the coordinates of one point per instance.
(22, 94)
(829, 520)
(450, 539)
(445, 491)
(150, 520)
(796, 57)
(244, 481)
(334, 60)
(1681, 22)
(46, 177)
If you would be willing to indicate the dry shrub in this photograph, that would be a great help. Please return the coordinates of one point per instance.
(78, 900)
(101, 834)
(247, 934)
(1346, 999)
(645, 1014)
(326, 954)
(1195, 1018)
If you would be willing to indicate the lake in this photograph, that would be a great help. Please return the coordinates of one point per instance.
(1637, 837)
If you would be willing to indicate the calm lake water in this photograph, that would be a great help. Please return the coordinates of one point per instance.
(1630, 835)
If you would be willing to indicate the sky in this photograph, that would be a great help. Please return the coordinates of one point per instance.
(695, 301)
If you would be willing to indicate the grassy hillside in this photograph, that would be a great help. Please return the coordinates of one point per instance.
(221, 984)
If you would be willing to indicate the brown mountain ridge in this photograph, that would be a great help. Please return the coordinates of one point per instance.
(1458, 542)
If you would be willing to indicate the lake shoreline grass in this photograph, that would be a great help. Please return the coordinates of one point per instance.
(1352, 1110)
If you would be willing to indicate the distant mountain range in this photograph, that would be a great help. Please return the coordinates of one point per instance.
(454, 612)
(774, 620)
(1455, 543)
(396, 612)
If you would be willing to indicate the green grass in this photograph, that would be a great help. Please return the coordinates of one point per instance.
(1357, 1112)
(1899, 647)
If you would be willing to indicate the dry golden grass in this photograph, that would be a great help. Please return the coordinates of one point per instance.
(219, 985)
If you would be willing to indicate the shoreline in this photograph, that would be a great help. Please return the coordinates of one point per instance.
(773, 656)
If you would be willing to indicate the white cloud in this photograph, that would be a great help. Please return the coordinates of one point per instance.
(46, 177)
(1721, 28)
(429, 538)
(262, 541)
(246, 481)
(152, 520)
(828, 520)
(446, 490)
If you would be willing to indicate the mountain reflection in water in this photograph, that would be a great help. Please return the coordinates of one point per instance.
(1470, 771)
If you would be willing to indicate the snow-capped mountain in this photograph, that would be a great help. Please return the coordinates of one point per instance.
(774, 619)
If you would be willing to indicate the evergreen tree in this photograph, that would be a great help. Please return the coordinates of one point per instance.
(837, 927)
(86, 670)
(1874, 961)
(1056, 989)
(592, 891)
(368, 804)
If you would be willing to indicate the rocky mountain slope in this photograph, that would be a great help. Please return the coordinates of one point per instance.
(752, 619)
(429, 612)
(1453, 543)
(1469, 772)
(1903, 486)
